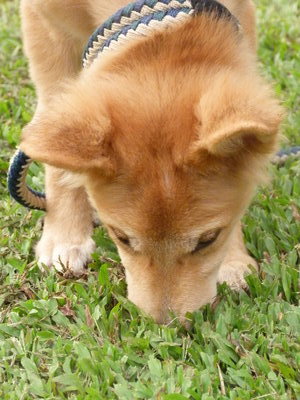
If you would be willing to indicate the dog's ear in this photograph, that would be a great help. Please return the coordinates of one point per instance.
(70, 139)
(238, 115)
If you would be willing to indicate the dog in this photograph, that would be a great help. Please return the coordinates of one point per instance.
(167, 138)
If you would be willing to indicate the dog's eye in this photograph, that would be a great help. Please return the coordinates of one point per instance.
(206, 240)
(121, 237)
(124, 239)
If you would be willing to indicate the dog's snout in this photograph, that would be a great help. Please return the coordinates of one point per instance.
(167, 291)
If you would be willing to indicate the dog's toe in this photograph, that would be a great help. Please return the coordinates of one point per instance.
(43, 252)
(73, 257)
(65, 256)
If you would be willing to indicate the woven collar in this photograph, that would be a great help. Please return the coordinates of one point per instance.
(145, 17)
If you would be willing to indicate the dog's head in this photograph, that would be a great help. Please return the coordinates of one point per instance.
(171, 136)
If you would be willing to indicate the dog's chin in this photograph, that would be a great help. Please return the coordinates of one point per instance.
(166, 313)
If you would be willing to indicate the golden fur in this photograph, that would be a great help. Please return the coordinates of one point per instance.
(167, 139)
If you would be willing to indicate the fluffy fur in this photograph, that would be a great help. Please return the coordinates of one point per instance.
(167, 138)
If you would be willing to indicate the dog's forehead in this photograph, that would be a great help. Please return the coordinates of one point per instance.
(165, 205)
(173, 206)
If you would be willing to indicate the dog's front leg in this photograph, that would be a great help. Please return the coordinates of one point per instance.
(66, 239)
(236, 263)
(54, 35)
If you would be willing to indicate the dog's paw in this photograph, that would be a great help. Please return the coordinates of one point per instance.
(65, 255)
(233, 272)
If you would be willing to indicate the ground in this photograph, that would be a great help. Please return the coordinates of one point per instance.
(62, 338)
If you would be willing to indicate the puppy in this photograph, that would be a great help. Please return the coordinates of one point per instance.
(166, 138)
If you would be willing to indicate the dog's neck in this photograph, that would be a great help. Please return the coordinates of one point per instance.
(146, 17)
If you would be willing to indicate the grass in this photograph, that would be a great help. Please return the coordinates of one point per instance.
(81, 339)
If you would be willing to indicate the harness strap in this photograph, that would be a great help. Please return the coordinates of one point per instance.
(283, 155)
(16, 181)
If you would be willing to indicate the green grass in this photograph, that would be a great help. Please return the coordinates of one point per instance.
(67, 339)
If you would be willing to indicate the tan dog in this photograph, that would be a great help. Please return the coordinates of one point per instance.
(167, 138)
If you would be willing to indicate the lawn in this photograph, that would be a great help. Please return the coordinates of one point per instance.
(62, 338)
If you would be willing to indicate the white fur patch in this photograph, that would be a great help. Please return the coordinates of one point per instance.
(66, 255)
(72, 180)
(234, 272)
